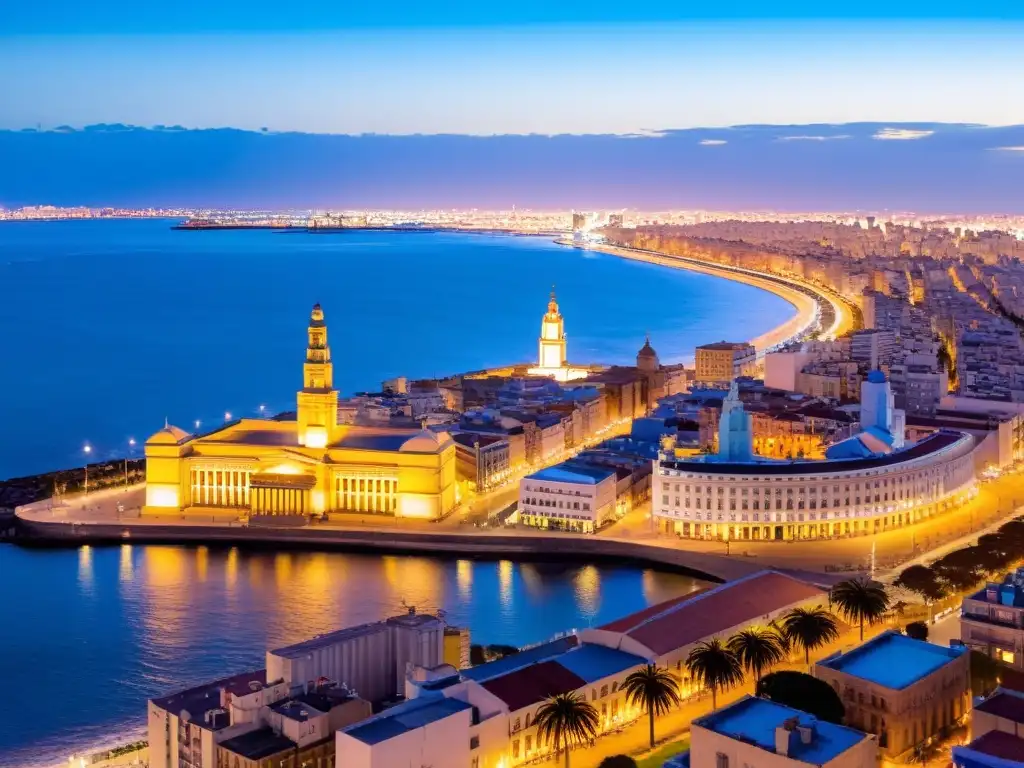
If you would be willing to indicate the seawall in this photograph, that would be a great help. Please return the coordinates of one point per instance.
(479, 543)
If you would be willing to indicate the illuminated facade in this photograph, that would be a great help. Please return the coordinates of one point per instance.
(309, 466)
(551, 352)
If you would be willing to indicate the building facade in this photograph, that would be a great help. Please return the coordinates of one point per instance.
(311, 465)
(484, 461)
(569, 496)
(723, 361)
(905, 691)
(755, 731)
(992, 620)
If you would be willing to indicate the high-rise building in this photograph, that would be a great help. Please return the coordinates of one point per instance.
(723, 361)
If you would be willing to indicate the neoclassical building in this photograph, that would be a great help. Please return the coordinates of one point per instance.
(307, 466)
(734, 495)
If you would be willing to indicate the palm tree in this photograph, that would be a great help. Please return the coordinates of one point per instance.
(566, 719)
(655, 688)
(757, 649)
(714, 666)
(861, 599)
(810, 628)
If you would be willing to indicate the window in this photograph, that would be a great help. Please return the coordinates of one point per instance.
(1006, 656)
(604, 691)
(517, 725)
(474, 742)
(475, 763)
(515, 749)
(721, 760)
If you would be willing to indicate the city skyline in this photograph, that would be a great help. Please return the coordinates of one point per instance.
(924, 167)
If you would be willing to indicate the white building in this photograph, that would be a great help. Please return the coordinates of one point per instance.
(763, 733)
(868, 483)
(371, 658)
(551, 347)
(421, 732)
(569, 496)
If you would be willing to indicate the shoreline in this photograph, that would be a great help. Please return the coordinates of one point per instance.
(807, 309)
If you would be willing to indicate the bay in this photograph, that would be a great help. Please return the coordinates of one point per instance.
(107, 327)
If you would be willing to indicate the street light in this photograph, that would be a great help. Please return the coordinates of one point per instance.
(87, 449)
(131, 449)
(198, 423)
(227, 415)
(263, 408)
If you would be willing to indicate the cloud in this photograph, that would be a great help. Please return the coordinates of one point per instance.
(713, 142)
(1008, 149)
(814, 138)
(901, 134)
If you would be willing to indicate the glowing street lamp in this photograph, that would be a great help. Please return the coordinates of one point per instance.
(87, 449)
(131, 451)
(263, 409)
(227, 415)
(198, 423)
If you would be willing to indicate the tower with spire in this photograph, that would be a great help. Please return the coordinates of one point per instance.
(551, 347)
(317, 413)
(735, 429)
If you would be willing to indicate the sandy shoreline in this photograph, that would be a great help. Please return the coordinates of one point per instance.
(806, 308)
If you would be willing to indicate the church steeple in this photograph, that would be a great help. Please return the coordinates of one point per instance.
(317, 414)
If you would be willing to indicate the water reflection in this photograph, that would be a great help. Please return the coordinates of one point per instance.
(161, 617)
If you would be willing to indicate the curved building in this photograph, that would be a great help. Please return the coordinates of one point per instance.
(307, 465)
(733, 495)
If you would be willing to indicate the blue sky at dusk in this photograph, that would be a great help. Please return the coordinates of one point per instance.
(525, 67)
(908, 104)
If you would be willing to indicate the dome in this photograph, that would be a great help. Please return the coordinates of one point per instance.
(169, 435)
(876, 377)
(647, 350)
(425, 442)
(316, 317)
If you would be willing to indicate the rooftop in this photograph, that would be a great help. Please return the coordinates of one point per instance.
(258, 744)
(1002, 704)
(893, 660)
(199, 700)
(534, 683)
(682, 621)
(998, 744)
(595, 662)
(413, 714)
(754, 721)
(503, 666)
(331, 638)
(573, 473)
(929, 445)
(720, 346)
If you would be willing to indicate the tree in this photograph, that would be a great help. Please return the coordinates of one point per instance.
(714, 666)
(804, 692)
(566, 719)
(961, 568)
(757, 649)
(618, 761)
(654, 688)
(917, 630)
(923, 581)
(810, 628)
(861, 599)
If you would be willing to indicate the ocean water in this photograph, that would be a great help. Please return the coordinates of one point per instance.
(92, 633)
(109, 327)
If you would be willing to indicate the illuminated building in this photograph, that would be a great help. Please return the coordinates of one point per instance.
(867, 484)
(905, 691)
(551, 354)
(992, 620)
(311, 465)
(723, 361)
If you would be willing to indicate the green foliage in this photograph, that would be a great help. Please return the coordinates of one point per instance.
(917, 630)
(810, 628)
(757, 649)
(715, 667)
(655, 689)
(804, 692)
(923, 581)
(861, 600)
(566, 719)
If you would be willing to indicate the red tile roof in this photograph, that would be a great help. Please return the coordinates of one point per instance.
(628, 622)
(533, 684)
(1005, 705)
(1000, 744)
(695, 617)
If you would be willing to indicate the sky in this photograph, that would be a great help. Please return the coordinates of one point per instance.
(527, 67)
